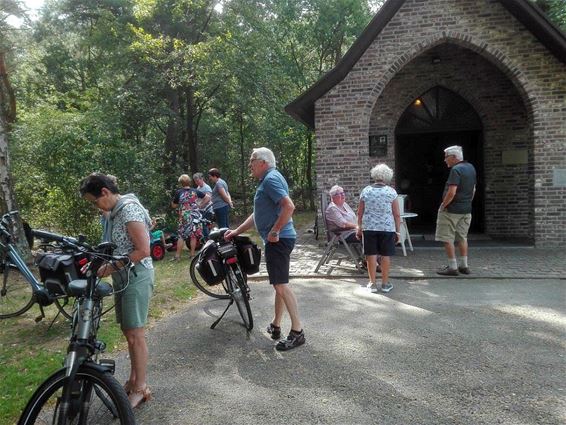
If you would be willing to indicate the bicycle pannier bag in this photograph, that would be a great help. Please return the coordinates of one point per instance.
(209, 265)
(56, 271)
(249, 254)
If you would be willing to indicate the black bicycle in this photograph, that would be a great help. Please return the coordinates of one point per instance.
(84, 391)
(221, 268)
(20, 288)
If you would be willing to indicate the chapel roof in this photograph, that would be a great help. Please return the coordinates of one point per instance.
(532, 17)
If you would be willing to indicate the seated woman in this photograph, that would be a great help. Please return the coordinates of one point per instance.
(340, 218)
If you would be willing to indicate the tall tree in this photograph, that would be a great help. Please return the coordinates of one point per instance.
(555, 9)
(7, 117)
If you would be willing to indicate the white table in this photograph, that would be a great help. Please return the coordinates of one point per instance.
(405, 235)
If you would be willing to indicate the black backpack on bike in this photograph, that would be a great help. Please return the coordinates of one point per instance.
(249, 254)
(209, 264)
(57, 270)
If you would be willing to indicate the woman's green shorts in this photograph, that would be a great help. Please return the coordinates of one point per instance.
(132, 303)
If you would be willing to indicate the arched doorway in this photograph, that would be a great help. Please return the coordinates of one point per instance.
(433, 121)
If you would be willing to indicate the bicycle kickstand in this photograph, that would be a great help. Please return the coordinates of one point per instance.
(53, 321)
(41, 316)
(222, 315)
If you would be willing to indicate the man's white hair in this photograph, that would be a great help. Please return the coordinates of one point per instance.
(266, 155)
(381, 172)
(335, 189)
(456, 151)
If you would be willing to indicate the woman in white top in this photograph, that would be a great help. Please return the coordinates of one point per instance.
(379, 221)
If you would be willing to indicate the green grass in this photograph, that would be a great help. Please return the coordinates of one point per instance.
(30, 352)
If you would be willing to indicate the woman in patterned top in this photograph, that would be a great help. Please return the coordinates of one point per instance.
(380, 220)
(128, 225)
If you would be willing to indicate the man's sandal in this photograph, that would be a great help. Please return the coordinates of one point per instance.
(274, 331)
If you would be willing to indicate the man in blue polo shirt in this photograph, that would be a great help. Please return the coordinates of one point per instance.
(273, 209)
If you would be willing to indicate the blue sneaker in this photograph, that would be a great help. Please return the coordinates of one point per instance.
(386, 288)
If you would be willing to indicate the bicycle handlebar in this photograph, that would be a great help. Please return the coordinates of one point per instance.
(66, 240)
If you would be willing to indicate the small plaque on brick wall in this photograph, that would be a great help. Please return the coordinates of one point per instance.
(378, 145)
(514, 157)
(559, 177)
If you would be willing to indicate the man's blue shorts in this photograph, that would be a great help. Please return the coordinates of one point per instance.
(278, 260)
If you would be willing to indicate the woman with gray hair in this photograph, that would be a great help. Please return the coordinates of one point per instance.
(379, 222)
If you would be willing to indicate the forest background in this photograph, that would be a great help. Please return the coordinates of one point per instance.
(149, 89)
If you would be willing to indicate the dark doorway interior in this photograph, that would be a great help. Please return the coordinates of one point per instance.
(435, 120)
(421, 174)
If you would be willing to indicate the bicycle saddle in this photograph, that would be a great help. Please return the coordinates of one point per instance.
(217, 235)
(77, 288)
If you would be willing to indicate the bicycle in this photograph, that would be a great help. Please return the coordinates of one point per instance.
(20, 289)
(217, 272)
(84, 391)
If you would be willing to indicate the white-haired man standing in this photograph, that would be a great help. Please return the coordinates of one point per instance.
(272, 216)
(455, 212)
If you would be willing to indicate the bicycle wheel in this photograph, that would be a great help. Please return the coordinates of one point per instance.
(16, 293)
(240, 295)
(97, 398)
(215, 291)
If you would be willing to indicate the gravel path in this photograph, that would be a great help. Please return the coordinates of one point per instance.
(445, 351)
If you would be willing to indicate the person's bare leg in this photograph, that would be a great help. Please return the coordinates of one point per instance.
(372, 265)
(451, 254)
(279, 309)
(180, 243)
(385, 264)
(193, 245)
(288, 297)
(463, 248)
(137, 348)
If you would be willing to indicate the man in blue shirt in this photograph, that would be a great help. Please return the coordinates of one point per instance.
(273, 209)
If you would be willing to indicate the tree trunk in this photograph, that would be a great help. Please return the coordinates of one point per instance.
(170, 154)
(7, 196)
(190, 149)
(243, 163)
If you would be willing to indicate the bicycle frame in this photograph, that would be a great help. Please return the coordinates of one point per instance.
(16, 260)
(83, 343)
(11, 257)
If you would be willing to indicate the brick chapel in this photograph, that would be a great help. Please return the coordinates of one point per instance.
(489, 75)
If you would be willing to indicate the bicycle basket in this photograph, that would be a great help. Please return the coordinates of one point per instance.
(249, 254)
(209, 264)
(56, 271)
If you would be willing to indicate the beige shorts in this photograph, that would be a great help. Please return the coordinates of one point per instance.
(452, 227)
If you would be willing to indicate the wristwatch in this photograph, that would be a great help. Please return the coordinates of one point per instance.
(274, 234)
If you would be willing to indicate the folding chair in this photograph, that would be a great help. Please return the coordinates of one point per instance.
(334, 242)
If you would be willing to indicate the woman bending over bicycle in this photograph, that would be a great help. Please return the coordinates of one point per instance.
(128, 227)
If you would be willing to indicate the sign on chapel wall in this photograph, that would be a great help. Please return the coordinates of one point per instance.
(378, 145)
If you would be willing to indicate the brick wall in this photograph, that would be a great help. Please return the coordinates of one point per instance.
(515, 85)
